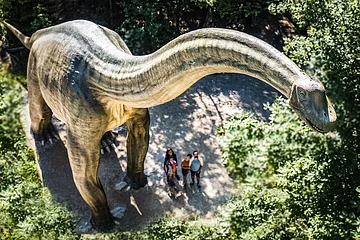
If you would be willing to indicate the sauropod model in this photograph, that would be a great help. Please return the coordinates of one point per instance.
(86, 75)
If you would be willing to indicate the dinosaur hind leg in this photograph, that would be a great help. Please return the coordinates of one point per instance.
(40, 113)
(137, 144)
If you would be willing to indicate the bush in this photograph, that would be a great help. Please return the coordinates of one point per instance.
(315, 178)
(170, 228)
(146, 27)
(296, 182)
(331, 51)
(235, 10)
(27, 14)
(259, 213)
(26, 208)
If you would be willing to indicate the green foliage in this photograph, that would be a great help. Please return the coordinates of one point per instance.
(28, 14)
(259, 213)
(26, 208)
(145, 27)
(166, 229)
(251, 153)
(115, 236)
(296, 183)
(174, 229)
(331, 50)
(148, 25)
(232, 9)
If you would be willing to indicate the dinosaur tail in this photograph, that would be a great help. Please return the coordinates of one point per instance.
(25, 40)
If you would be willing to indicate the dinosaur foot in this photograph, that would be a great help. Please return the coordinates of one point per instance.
(103, 224)
(136, 182)
(107, 142)
(48, 135)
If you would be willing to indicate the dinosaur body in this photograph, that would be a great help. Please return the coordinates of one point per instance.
(85, 75)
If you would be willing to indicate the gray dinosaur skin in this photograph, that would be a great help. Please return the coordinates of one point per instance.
(86, 75)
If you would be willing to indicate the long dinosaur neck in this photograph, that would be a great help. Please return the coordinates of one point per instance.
(151, 80)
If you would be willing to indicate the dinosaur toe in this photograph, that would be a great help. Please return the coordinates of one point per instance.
(107, 142)
(48, 135)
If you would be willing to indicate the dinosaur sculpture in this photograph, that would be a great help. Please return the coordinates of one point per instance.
(86, 75)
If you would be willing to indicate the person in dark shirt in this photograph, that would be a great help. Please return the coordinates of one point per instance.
(170, 154)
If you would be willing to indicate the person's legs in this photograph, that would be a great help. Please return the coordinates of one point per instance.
(184, 173)
(177, 175)
(171, 180)
(192, 177)
(198, 178)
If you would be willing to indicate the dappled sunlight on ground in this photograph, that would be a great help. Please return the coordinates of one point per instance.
(186, 124)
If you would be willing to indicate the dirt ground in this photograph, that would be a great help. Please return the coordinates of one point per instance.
(187, 123)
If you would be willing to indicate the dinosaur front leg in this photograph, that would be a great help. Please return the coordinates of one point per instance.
(84, 156)
(137, 144)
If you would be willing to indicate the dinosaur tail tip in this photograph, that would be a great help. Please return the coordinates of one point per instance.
(25, 40)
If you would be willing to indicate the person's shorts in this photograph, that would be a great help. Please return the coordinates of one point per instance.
(185, 171)
(195, 173)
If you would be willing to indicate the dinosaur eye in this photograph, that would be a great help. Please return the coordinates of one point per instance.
(302, 93)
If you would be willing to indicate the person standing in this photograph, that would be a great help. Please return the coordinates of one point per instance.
(170, 154)
(185, 168)
(170, 168)
(196, 165)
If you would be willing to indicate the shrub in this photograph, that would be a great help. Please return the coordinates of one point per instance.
(145, 27)
(296, 182)
(27, 210)
(317, 176)
(331, 51)
(169, 228)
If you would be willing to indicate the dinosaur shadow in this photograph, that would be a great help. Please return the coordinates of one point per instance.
(57, 177)
(187, 123)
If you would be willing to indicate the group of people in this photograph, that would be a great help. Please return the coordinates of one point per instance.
(191, 164)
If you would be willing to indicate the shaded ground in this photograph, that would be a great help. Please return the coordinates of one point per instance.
(187, 123)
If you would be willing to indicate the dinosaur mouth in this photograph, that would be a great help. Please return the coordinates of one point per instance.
(313, 126)
(308, 122)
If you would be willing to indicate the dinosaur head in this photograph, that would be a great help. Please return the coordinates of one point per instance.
(309, 100)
